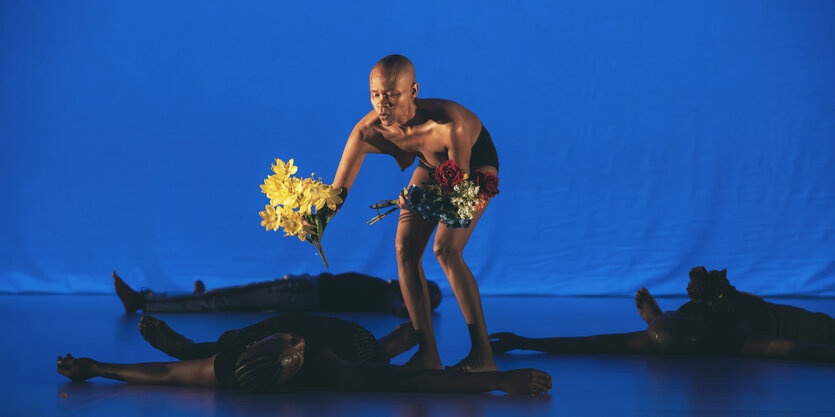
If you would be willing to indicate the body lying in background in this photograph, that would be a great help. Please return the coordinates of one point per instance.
(718, 321)
(347, 292)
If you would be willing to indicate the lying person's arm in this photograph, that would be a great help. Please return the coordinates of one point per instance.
(335, 374)
(194, 373)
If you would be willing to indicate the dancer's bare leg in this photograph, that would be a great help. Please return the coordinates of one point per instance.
(197, 373)
(413, 233)
(449, 249)
(647, 307)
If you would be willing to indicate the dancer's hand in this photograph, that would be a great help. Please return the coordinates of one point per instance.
(503, 342)
(401, 200)
(525, 381)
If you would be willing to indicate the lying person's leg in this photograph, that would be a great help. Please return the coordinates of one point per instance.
(334, 374)
(290, 293)
(198, 373)
(161, 336)
(647, 307)
(632, 343)
(774, 348)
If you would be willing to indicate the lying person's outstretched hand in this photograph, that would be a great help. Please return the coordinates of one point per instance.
(77, 370)
(503, 342)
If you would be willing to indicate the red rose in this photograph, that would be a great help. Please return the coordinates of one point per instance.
(449, 174)
(487, 182)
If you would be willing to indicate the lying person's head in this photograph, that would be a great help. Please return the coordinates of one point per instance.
(434, 292)
(676, 335)
(711, 288)
(267, 365)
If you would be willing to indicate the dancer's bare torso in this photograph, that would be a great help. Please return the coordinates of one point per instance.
(440, 130)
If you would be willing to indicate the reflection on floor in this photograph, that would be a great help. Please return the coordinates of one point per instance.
(37, 328)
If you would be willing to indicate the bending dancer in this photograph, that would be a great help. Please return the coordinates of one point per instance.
(296, 351)
(434, 131)
(348, 292)
(719, 320)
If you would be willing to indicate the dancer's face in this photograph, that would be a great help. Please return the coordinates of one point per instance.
(392, 95)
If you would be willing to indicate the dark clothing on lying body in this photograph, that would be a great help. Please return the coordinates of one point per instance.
(347, 340)
(483, 153)
(349, 292)
(752, 316)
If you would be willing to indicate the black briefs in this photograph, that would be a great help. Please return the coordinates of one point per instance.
(483, 153)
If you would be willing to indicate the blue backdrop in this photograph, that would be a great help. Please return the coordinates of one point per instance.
(637, 139)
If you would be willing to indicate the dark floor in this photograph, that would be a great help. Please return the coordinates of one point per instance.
(39, 328)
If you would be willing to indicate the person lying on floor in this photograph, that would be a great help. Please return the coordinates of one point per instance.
(297, 351)
(718, 321)
(347, 292)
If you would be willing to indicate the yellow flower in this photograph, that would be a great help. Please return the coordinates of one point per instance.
(291, 222)
(284, 170)
(270, 219)
(323, 195)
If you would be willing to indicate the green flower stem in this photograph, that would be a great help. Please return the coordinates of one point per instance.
(320, 229)
(379, 217)
(378, 206)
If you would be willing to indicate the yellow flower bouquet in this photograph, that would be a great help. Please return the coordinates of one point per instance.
(298, 204)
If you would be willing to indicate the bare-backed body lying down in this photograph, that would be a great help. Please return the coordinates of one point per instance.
(296, 351)
(718, 321)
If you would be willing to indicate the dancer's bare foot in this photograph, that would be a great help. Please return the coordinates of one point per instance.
(132, 300)
(475, 363)
(199, 287)
(77, 370)
(647, 307)
(163, 337)
(420, 360)
(401, 339)
(525, 381)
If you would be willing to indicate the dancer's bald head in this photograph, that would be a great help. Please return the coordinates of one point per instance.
(393, 89)
(396, 65)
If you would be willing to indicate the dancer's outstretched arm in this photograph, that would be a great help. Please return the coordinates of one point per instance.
(196, 373)
(635, 342)
(338, 375)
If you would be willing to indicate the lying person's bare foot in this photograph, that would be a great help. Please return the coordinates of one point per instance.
(199, 287)
(647, 307)
(163, 337)
(475, 363)
(420, 361)
(132, 300)
(77, 370)
(401, 339)
(525, 381)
